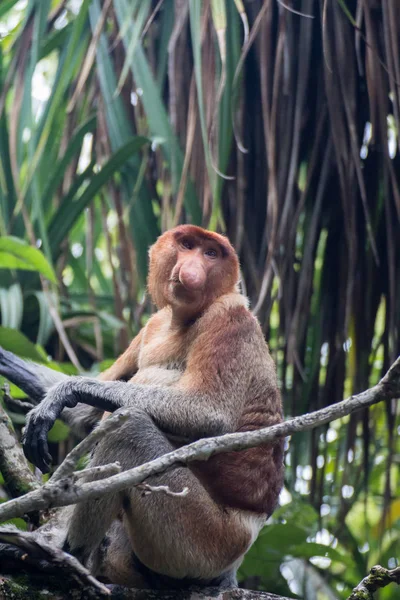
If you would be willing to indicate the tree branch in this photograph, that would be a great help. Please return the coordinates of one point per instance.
(62, 492)
(69, 463)
(18, 478)
(378, 577)
(27, 549)
(10, 590)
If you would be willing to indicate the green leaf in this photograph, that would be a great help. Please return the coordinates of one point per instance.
(298, 513)
(16, 418)
(15, 392)
(12, 306)
(46, 324)
(156, 113)
(69, 211)
(281, 537)
(166, 18)
(223, 142)
(16, 342)
(6, 5)
(195, 9)
(59, 432)
(310, 549)
(7, 190)
(19, 523)
(134, 186)
(17, 254)
(73, 149)
(56, 40)
(139, 22)
(105, 364)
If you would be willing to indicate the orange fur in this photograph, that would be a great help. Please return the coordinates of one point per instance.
(191, 353)
(126, 365)
(200, 367)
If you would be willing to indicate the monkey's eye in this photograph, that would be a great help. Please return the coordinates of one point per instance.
(211, 253)
(187, 244)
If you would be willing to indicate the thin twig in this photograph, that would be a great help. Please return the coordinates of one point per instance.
(69, 464)
(99, 472)
(16, 403)
(295, 12)
(148, 489)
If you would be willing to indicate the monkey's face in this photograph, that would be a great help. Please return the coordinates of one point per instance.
(191, 267)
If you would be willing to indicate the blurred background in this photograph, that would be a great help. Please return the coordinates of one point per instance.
(273, 121)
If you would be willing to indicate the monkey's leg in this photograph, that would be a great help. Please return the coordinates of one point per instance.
(178, 537)
(112, 560)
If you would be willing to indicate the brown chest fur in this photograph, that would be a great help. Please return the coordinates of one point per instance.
(249, 479)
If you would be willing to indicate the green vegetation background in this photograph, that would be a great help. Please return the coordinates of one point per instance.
(119, 119)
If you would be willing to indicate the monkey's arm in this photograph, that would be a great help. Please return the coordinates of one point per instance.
(35, 380)
(126, 365)
(207, 401)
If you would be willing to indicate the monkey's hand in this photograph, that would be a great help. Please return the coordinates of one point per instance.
(41, 419)
(66, 394)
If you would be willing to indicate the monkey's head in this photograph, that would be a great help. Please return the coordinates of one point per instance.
(189, 268)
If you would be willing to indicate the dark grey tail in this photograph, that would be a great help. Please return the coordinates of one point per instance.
(32, 378)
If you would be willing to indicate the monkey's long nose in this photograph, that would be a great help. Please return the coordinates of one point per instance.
(192, 276)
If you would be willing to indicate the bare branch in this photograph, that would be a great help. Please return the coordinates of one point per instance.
(65, 492)
(44, 551)
(99, 472)
(14, 467)
(16, 402)
(69, 464)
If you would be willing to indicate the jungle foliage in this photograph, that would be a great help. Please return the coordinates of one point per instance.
(274, 122)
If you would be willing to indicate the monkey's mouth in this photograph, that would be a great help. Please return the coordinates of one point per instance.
(180, 292)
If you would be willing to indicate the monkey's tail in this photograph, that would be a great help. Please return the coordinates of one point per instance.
(32, 378)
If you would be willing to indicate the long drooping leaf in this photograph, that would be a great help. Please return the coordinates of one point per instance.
(69, 211)
(225, 110)
(72, 57)
(46, 324)
(7, 189)
(157, 116)
(39, 28)
(195, 11)
(72, 150)
(11, 306)
(142, 218)
(140, 20)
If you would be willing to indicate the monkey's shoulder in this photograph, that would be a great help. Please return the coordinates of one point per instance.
(230, 317)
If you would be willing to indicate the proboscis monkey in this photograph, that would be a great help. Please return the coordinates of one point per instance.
(200, 367)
